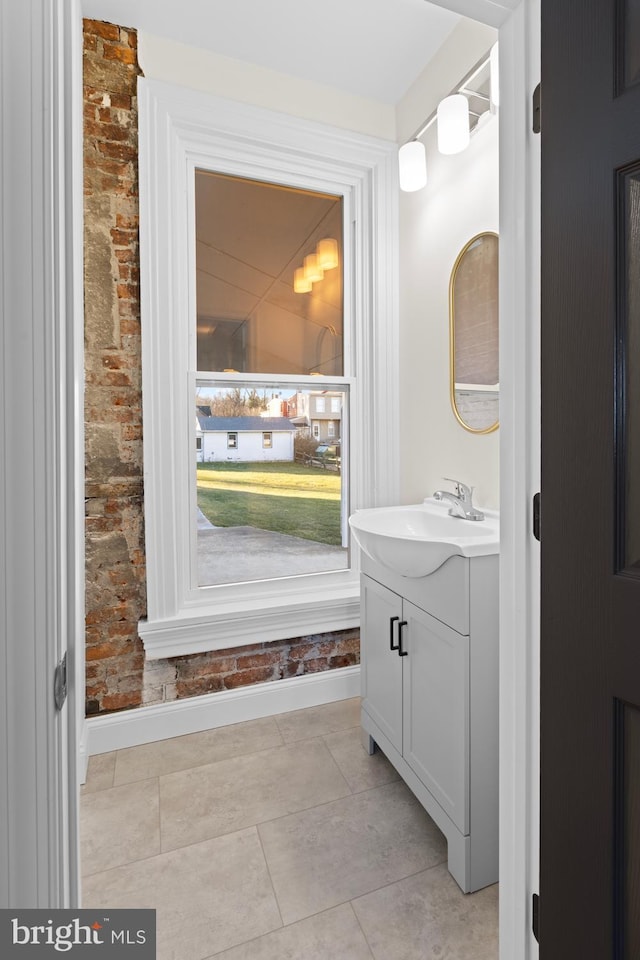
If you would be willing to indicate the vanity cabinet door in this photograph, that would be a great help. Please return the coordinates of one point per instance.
(381, 667)
(436, 711)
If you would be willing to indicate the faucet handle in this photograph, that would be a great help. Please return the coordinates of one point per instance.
(462, 490)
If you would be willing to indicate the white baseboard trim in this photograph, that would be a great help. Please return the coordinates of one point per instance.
(191, 715)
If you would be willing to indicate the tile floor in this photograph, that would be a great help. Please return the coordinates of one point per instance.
(276, 839)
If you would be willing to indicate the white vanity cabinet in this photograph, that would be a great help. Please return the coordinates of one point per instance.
(430, 698)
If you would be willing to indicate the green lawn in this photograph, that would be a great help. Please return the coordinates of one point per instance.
(283, 497)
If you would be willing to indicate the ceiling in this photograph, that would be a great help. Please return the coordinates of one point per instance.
(370, 48)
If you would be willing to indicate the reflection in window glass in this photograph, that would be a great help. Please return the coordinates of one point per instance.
(269, 278)
(269, 481)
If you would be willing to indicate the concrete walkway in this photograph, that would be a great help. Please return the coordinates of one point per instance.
(238, 554)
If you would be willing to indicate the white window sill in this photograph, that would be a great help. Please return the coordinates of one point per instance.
(201, 629)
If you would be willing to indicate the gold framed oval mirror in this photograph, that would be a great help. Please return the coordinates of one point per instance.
(473, 334)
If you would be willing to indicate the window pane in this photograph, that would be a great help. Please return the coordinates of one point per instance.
(270, 496)
(629, 377)
(631, 42)
(253, 240)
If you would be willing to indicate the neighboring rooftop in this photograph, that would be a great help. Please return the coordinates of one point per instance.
(244, 423)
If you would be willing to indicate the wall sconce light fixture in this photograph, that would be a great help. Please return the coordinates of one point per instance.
(453, 124)
(456, 121)
(412, 160)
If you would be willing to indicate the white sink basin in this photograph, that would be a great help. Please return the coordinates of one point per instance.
(415, 540)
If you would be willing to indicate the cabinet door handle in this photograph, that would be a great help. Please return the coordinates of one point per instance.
(401, 652)
(392, 645)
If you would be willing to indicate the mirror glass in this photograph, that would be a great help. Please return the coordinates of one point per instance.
(473, 318)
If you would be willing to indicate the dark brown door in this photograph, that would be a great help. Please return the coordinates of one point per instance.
(590, 546)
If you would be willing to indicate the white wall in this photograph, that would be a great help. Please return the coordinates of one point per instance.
(250, 448)
(173, 62)
(460, 200)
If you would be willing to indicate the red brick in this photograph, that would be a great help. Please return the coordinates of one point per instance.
(199, 686)
(106, 131)
(123, 238)
(205, 667)
(121, 101)
(126, 255)
(108, 31)
(95, 670)
(246, 677)
(102, 651)
(118, 151)
(95, 690)
(343, 660)
(120, 701)
(128, 291)
(114, 51)
(266, 659)
(316, 666)
(127, 222)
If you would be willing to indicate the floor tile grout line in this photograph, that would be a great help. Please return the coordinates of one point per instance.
(287, 926)
(392, 883)
(284, 816)
(325, 803)
(226, 833)
(367, 893)
(268, 868)
(328, 733)
(248, 826)
(238, 756)
(274, 717)
(208, 763)
(137, 859)
(164, 853)
(366, 938)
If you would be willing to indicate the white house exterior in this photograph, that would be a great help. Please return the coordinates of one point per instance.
(244, 439)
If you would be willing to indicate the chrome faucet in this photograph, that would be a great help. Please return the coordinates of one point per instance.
(461, 501)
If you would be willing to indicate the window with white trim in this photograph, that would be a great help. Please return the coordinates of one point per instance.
(183, 133)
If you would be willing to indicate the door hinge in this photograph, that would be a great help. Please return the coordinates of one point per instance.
(537, 117)
(536, 516)
(535, 917)
(60, 683)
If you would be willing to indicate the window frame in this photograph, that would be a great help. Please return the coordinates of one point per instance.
(181, 130)
(267, 444)
(232, 439)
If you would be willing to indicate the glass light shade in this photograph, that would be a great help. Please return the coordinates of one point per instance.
(412, 166)
(327, 253)
(300, 282)
(453, 124)
(494, 63)
(312, 270)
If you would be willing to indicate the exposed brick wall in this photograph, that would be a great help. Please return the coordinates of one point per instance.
(115, 593)
(118, 676)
